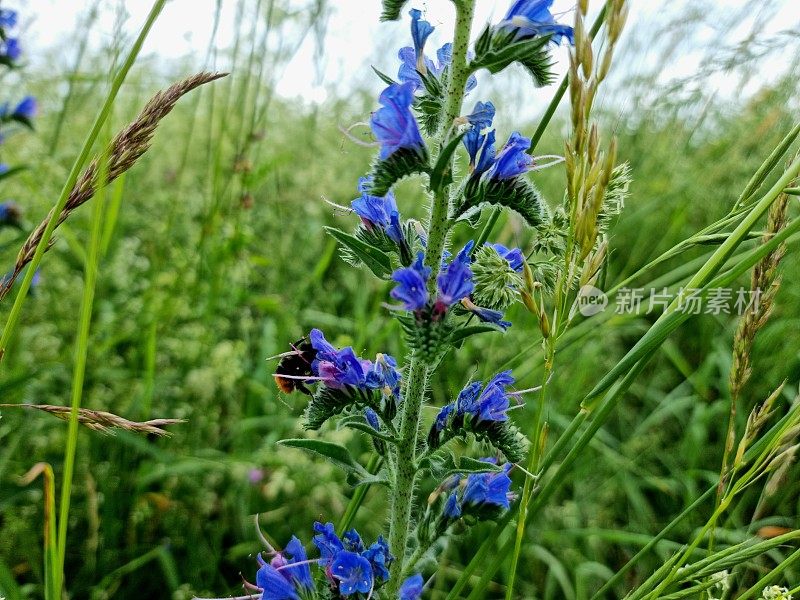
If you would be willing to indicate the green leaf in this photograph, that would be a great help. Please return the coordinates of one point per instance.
(379, 478)
(338, 455)
(357, 422)
(442, 173)
(392, 9)
(376, 260)
(384, 77)
(467, 465)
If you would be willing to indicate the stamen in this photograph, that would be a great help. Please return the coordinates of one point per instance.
(555, 161)
(262, 537)
(301, 377)
(284, 354)
(354, 139)
(297, 564)
(344, 209)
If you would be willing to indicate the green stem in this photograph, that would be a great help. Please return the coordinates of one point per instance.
(404, 477)
(79, 371)
(402, 495)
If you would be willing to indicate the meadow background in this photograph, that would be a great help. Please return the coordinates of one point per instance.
(213, 258)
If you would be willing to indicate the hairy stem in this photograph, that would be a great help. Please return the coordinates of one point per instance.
(402, 494)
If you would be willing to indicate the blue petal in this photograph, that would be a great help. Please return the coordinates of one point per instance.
(512, 160)
(412, 282)
(275, 585)
(353, 571)
(327, 542)
(412, 588)
(393, 124)
(452, 509)
(420, 30)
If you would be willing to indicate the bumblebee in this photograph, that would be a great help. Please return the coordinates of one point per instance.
(294, 365)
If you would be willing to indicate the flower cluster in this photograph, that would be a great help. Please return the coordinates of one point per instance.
(345, 379)
(482, 411)
(479, 495)
(350, 568)
(454, 284)
(432, 289)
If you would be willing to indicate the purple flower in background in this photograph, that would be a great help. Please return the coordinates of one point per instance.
(532, 18)
(393, 124)
(412, 588)
(512, 160)
(411, 288)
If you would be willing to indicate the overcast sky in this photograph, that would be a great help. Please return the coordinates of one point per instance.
(355, 38)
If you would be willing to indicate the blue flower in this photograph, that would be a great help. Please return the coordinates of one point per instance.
(482, 115)
(352, 541)
(394, 125)
(353, 572)
(8, 18)
(468, 397)
(487, 154)
(442, 418)
(531, 18)
(10, 49)
(412, 588)
(297, 564)
(452, 508)
(345, 369)
(493, 402)
(512, 160)
(412, 283)
(327, 542)
(325, 350)
(488, 315)
(372, 418)
(274, 583)
(455, 280)
(379, 557)
(384, 374)
(488, 489)
(420, 30)
(26, 109)
(514, 256)
(377, 212)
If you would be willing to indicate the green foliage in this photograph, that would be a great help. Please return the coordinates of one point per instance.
(391, 9)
